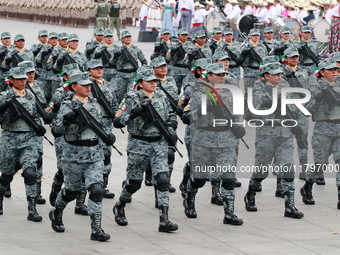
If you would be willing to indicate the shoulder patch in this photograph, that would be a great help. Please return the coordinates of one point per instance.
(119, 113)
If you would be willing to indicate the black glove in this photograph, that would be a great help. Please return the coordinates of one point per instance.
(42, 131)
(90, 49)
(319, 96)
(245, 52)
(117, 54)
(174, 124)
(192, 56)
(158, 48)
(111, 140)
(56, 107)
(239, 131)
(97, 54)
(69, 117)
(117, 124)
(9, 59)
(267, 103)
(3, 107)
(60, 60)
(173, 139)
(136, 112)
(47, 51)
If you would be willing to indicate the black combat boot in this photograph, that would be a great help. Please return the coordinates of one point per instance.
(164, 224)
(81, 208)
(130, 199)
(237, 183)
(338, 198)
(279, 190)
(56, 217)
(189, 205)
(183, 189)
(321, 181)
(119, 212)
(306, 193)
(54, 193)
(302, 175)
(156, 200)
(40, 199)
(107, 193)
(259, 188)
(32, 211)
(186, 177)
(148, 177)
(230, 217)
(97, 233)
(249, 200)
(290, 209)
(1, 203)
(216, 197)
(8, 192)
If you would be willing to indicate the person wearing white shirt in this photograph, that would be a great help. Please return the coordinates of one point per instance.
(333, 17)
(261, 14)
(235, 11)
(143, 15)
(247, 8)
(227, 8)
(314, 3)
(302, 14)
(272, 12)
(278, 7)
(186, 9)
(197, 20)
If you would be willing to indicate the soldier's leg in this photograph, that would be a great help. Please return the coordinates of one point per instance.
(117, 25)
(322, 149)
(58, 179)
(303, 153)
(136, 166)
(216, 197)
(186, 169)
(171, 160)
(265, 147)
(107, 171)
(40, 199)
(336, 166)
(80, 207)
(111, 23)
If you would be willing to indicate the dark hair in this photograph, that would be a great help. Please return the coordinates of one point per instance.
(70, 86)
(196, 74)
(140, 80)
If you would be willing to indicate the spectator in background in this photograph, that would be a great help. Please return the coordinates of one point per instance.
(143, 15)
(100, 12)
(186, 9)
(310, 16)
(197, 20)
(154, 20)
(169, 15)
(114, 9)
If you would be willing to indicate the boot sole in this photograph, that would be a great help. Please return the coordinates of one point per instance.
(56, 230)
(41, 202)
(167, 230)
(119, 223)
(81, 213)
(227, 221)
(105, 196)
(249, 209)
(288, 215)
(100, 239)
(34, 220)
(303, 199)
(189, 215)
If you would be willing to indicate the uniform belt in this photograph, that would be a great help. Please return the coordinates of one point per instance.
(89, 143)
(309, 64)
(147, 139)
(215, 129)
(331, 121)
(185, 10)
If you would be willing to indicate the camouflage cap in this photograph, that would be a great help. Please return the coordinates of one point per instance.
(53, 35)
(94, 63)
(335, 56)
(328, 64)
(183, 31)
(81, 78)
(228, 31)
(199, 34)
(157, 62)
(216, 68)
(19, 37)
(5, 35)
(70, 68)
(254, 31)
(268, 30)
(108, 32)
(146, 73)
(126, 33)
(221, 55)
(270, 59)
(203, 63)
(285, 30)
(272, 68)
(165, 31)
(306, 29)
(291, 52)
(18, 73)
(99, 31)
(28, 65)
(63, 36)
(43, 33)
(73, 37)
(217, 30)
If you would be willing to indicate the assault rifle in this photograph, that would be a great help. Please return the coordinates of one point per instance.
(180, 52)
(153, 118)
(254, 55)
(213, 46)
(16, 59)
(230, 53)
(267, 47)
(310, 53)
(294, 82)
(39, 105)
(333, 98)
(86, 120)
(128, 58)
(106, 56)
(69, 60)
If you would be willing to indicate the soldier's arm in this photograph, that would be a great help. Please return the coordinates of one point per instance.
(58, 127)
(123, 114)
(141, 57)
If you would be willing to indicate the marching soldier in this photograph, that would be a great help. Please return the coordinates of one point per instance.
(91, 46)
(284, 43)
(127, 64)
(273, 140)
(146, 148)
(82, 156)
(19, 141)
(114, 10)
(216, 40)
(6, 46)
(42, 37)
(214, 145)
(325, 139)
(268, 41)
(100, 12)
(95, 70)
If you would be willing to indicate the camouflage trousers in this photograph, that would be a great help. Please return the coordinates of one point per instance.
(154, 155)
(115, 23)
(107, 161)
(123, 83)
(110, 74)
(101, 22)
(181, 76)
(40, 153)
(74, 176)
(303, 153)
(58, 146)
(22, 148)
(236, 71)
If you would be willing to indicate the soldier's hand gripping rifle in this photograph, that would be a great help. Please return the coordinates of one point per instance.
(18, 111)
(310, 53)
(179, 51)
(213, 46)
(86, 120)
(151, 117)
(161, 49)
(102, 100)
(37, 50)
(127, 57)
(106, 56)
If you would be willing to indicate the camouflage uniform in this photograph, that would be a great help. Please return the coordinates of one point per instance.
(36, 48)
(265, 41)
(91, 46)
(82, 159)
(212, 41)
(272, 141)
(221, 143)
(193, 53)
(281, 46)
(145, 148)
(126, 73)
(325, 139)
(19, 144)
(3, 52)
